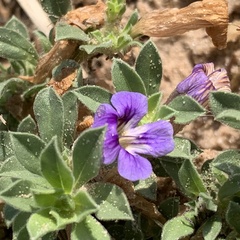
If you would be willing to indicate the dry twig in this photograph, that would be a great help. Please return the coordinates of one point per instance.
(209, 14)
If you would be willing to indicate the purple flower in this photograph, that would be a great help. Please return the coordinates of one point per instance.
(125, 141)
(202, 80)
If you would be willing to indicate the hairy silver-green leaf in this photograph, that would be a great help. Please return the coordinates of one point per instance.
(41, 223)
(70, 113)
(27, 125)
(16, 25)
(48, 111)
(226, 108)
(14, 46)
(187, 109)
(66, 31)
(92, 96)
(149, 67)
(87, 155)
(19, 196)
(178, 227)
(90, 229)
(27, 148)
(113, 203)
(55, 169)
(190, 179)
(56, 8)
(228, 162)
(125, 78)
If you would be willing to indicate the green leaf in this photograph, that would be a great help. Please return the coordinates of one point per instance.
(113, 203)
(19, 224)
(178, 227)
(147, 187)
(228, 162)
(16, 25)
(23, 234)
(14, 46)
(70, 113)
(6, 149)
(149, 67)
(230, 188)
(117, 231)
(230, 117)
(165, 113)
(43, 41)
(212, 228)
(56, 8)
(187, 109)
(226, 108)
(89, 229)
(84, 205)
(63, 218)
(233, 235)
(184, 148)
(171, 166)
(154, 102)
(190, 179)
(206, 200)
(170, 207)
(11, 164)
(27, 148)
(10, 87)
(131, 21)
(153, 108)
(87, 155)
(48, 111)
(54, 169)
(47, 197)
(19, 196)
(5, 182)
(41, 223)
(11, 168)
(27, 125)
(31, 91)
(58, 73)
(92, 96)
(125, 78)
(132, 231)
(97, 48)
(220, 101)
(233, 216)
(66, 31)
(10, 214)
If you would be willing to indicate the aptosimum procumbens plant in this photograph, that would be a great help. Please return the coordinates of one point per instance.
(102, 183)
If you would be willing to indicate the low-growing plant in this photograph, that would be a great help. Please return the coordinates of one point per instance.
(61, 179)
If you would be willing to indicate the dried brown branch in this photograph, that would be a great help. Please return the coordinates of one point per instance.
(85, 17)
(209, 14)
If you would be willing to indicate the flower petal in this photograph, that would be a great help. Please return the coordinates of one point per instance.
(133, 167)
(105, 114)
(154, 139)
(197, 85)
(220, 80)
(130, 106)
(111, 146)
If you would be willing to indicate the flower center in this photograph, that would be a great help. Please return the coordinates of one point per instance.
(123, 138)
(125, 141)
